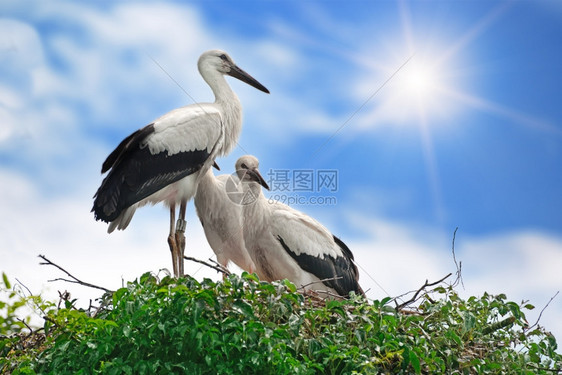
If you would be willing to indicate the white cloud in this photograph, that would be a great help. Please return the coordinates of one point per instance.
(8, 121)
(9, 98)
(111, 67)
(63, 229)
(20, 53)
(525, 265)
(20, 46)
(280, 58)
(397, 256)
(104, 65)
(526, 262)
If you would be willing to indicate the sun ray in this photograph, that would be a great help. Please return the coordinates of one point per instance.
(406, 20)
(502, 111)
(475, 31)
(432, 170)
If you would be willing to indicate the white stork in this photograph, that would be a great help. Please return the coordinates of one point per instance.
(162, 161)
(218, 203)
(287, 244)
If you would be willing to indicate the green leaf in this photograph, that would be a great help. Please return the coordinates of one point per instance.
(250, 276)
(453, 336)
(6, 281)
(244, 307)
(415, 362)
(385, 300)
(127, 331)
(469, 322)
(292, 288)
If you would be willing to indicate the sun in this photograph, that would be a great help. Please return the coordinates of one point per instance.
(418, 83)
(418, 90)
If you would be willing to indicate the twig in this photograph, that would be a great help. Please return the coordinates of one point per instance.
(420, 289)
(63, 297)
(320, 281)
(326, 293)
(50, 320)
(425, 285)
(218, 268)
(37, 305)
(103, 304)
(217, 264)
(319, 296)
(457, 264)
(26, 288)
(27, 326)
(74, 280)
(544, 308)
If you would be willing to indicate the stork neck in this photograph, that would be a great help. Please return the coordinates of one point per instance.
(256, 189)
(221, 89)
(232, 113)
(255, 213)
(254, 197)
(207, 179)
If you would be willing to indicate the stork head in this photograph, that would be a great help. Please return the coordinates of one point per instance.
(247, 170)
(219, 61)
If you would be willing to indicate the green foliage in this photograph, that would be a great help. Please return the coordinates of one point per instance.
(8, 308)
(241, 325)
(19, 345)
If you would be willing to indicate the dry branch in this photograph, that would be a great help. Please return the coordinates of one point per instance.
(421, 289)
(458, 265)
(75, 280)
(540, 314)
(218, 267)
(303, 287)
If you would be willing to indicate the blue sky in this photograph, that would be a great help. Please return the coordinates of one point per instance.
(434, 115)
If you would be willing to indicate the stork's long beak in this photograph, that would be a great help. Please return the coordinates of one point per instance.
(238, 73)
(256, 176)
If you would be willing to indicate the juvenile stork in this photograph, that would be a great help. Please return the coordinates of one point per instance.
(287, 244)
(162, 161)
(218, 202)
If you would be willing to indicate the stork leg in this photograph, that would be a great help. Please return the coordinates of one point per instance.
(172, 239)
(180, 236)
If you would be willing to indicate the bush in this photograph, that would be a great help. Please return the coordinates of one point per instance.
(241, 325)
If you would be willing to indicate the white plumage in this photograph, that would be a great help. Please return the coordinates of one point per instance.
(162, 162)
(183, 132)
(218, 204)
(287, 244)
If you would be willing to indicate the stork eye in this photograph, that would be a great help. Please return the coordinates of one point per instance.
(244, 166)
(223, 57)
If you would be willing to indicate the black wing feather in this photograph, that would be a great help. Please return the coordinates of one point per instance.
(126, 145)
(136, 174)
(341, 273)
